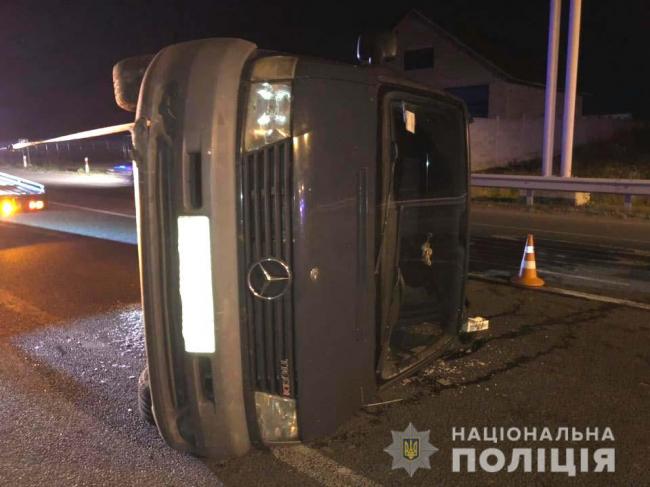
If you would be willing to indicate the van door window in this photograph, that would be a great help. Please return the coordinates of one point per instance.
(431, 154)
(423, 245)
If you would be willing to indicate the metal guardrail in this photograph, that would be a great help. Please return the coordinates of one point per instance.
(19, 185)
(626, 187)
(556, 183)
(86, 134)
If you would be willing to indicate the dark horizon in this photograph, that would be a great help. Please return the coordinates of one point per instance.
(57, 56)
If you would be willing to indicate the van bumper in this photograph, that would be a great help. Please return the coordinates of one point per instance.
(198, 398)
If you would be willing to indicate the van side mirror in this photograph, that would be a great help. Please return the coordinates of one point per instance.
(127, 77)
(377, 47)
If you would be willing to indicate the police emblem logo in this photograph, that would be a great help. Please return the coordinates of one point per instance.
(410, 449)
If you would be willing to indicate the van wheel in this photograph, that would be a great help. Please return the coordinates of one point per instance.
(145, 407)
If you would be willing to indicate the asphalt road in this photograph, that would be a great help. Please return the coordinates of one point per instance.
(602, 255)
(71, 349)
(105, 213)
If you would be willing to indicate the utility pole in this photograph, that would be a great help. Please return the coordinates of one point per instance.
(551, 86)
(568, 122)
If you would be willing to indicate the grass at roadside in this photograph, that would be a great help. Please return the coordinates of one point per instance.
(627, 156)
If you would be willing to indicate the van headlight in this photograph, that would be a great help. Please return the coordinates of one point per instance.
(268, 117)
(276, 418)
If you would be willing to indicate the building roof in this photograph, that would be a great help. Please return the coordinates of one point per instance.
(503, 61)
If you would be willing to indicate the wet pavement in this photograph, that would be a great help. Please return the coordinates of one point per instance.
(601, 255)
(71, 350)
(547, 361)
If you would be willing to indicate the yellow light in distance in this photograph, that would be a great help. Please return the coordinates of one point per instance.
(7, 208)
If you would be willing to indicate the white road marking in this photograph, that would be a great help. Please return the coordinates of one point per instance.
(505, 237)
(541, 230)
(568, 292)
(24, 308)
(497, 272)
(639, 252)
(597, 297)
(94, 210)
(320, 468)
(383, 403)
(585, 278)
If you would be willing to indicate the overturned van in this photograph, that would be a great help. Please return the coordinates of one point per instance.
(303, 230)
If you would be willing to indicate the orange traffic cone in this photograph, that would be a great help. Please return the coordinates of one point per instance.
(528, 269)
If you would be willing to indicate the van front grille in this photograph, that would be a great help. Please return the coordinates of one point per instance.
(265, 178)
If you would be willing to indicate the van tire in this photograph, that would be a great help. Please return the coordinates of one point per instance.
(127, 78)
(145, 408)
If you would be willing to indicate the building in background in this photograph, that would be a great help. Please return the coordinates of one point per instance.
(507, 103)
(433, 56)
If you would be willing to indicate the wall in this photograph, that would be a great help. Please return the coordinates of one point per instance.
(514, 100)
(497, 142)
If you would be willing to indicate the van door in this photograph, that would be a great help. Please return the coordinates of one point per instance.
(422, 238)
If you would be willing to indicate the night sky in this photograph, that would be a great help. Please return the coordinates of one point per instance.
(56, 56)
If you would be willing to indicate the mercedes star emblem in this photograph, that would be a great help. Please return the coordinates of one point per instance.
(269, 278)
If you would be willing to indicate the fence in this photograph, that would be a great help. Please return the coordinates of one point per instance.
(497, 142)
(70, 154)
